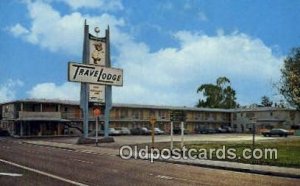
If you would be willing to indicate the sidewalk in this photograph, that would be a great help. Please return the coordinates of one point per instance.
(79, 148)
(233, 166)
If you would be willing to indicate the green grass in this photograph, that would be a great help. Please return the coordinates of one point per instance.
(288, 151)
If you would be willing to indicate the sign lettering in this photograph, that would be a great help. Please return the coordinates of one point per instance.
(95, 74)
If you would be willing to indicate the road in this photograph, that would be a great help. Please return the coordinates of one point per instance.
(54, 166)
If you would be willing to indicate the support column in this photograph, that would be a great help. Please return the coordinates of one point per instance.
(21, 128)
(84, 92)
(107, 110)
(108, 89)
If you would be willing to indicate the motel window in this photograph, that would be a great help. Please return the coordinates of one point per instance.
(6, 109)
(250, 115)
(66, 109)
(135, 114)
(292, 115)
(214, 116)
(152, 113)
(225, 117)
(207, 115)
(124, 114)
(234, 116)
(162, 114)
(197, 116)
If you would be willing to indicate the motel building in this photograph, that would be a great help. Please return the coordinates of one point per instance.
(42, 117)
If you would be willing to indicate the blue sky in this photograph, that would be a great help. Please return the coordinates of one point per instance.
(166, 48)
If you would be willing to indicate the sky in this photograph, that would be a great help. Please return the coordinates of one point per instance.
(166, 48)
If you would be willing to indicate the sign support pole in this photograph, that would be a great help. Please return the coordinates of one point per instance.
(172, 145)
(182, 133)
(108, 88)
(97, 126)
(152, 122)
(84, 94)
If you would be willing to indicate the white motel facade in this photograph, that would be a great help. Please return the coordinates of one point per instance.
(43, 117)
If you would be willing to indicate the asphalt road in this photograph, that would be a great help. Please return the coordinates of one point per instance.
(66, 167)
(14, 176)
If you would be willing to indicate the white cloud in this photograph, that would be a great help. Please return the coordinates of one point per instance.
(66, 91)
(8, 90)
(172, 75)
(169, 76)
(18, 30)
(102, 4)
(50, 30)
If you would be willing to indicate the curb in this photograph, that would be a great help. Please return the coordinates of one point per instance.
(244, 170)
(44, 145)
(228, 168)
(68, 148)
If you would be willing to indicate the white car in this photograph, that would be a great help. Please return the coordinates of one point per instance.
(114, 132)
(158, 131)
(123, 130)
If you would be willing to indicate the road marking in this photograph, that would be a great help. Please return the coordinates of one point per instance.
(10, 174)
(89, 162)
(43, 173)
(165, 177)
(175, 178)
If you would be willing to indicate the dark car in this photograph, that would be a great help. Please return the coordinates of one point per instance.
(4, 133)
(276, 132)
(140, 131)
(177, 130)
(93, 133)
(205, 131)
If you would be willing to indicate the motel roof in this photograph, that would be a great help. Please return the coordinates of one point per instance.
(162, 107)
(141, 106)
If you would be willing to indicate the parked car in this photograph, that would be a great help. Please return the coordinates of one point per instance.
(114, 132)
(221, 130)
(146, 131)
(4, 132)
(140, 131)
(225, 129)
(93, 133)
(177, 130)
(124, 131)
(276, 132)
(205, 130)
(158, 131)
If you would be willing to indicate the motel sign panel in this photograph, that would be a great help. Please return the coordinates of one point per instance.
(95, 74)
(97, 55)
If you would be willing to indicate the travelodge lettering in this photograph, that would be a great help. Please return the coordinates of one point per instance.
(95, 74)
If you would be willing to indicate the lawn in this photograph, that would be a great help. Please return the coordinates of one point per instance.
(288, 151)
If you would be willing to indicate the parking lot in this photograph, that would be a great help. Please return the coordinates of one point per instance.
(190, 138)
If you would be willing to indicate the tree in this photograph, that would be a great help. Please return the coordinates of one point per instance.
(290, 78)
(219, 95)
(266, 102)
